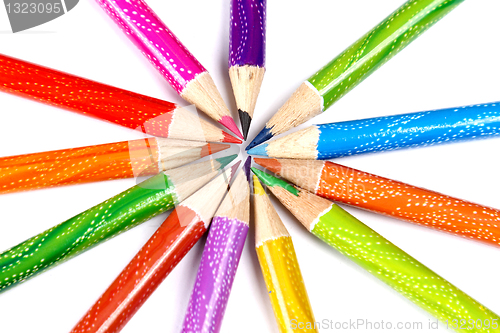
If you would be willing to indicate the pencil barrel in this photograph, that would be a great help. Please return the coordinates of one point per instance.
(399, 270)
(378, 46)
(86, 230)
(408, 130)
(247, 33)
(84, 96)
(145, 272)
(285, 285)
(155, 40)
(79, 165)
(410, 203)
(215, 276)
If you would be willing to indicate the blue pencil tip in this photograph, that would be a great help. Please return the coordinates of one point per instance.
(259, 150)
(263, 136)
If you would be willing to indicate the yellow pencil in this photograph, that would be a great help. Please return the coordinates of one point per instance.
(280, 267)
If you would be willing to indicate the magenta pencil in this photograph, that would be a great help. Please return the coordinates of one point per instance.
(220, 259)
(170, 57)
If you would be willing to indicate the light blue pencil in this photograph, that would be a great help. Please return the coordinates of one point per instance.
(346, 138)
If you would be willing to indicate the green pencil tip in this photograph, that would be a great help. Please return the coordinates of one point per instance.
(272, 181)
(225, 160)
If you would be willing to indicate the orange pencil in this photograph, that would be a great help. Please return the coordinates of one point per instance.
(390, 197)
(126, 159)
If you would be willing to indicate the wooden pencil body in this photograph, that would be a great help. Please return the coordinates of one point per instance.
(152, 264)
(390, 197)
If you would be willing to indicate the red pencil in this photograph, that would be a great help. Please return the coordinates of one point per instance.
(157, 258)
(139, 112)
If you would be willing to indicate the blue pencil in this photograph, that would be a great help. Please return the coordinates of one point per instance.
(386, 133)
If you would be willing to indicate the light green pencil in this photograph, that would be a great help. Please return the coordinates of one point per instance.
(356, 63)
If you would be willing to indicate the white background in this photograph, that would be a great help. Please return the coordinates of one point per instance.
(455, 63)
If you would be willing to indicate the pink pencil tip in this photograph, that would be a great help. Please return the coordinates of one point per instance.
(229, 123)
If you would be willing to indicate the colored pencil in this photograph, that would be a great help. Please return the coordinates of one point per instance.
(356, 63)
(122, 107)
(220, 259)
(157, 258)
(247, 55)
(104, 221)
(354, 137)
(280, 266)
(126, 159)
(377, 255)
(170, 57)
(390, 197)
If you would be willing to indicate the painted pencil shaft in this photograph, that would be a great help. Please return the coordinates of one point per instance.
(247, 40)
(280, 267)
(118, 160)
(157, 258)
(399, 270)
(364, 246)
(354, 137)
(103, 221)
(216, 273)
(219, 261)
(356, 63)
(247, 55)
(122, 107)
(170, 57)
(390, 197)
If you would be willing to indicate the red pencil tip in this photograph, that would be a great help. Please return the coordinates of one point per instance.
(230, 139)
(229, 123)
(212, 148)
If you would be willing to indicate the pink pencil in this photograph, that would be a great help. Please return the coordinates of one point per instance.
(172, 59)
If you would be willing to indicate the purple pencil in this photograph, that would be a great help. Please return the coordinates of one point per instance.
(247, 55)
(220, 259)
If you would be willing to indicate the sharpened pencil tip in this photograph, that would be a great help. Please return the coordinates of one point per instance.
(212, 148)
(245, 121)
(230, 139)
(272, 181)
(270, 164)
(225, 160)
(259, 150)
(234, 168)
(263, 136)
(229, 123)
(246, 167)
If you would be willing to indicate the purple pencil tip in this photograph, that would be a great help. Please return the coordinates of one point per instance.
(246, 167)
(234, 168)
